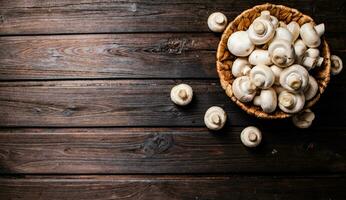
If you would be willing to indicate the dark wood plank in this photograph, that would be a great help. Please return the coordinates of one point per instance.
(108, 56)
(133, 103)
(67, 16)
(170, 150)
(116, 56)
(173, 187)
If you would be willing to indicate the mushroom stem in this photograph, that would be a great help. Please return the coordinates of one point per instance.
(220, 19)
(259, 27)
(259, 80)
(182, 94)
(320, 29)
(215, 118)
(294, 81)
(252, 136)
(286, 100)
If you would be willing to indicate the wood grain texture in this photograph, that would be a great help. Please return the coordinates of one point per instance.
(173, 187)
(169, 150)
(180, 55)
(108, 56)
(67, 16)
(133, 103)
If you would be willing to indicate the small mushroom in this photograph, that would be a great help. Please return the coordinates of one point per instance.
(217, 22)
(303, 119)
(262, 29)
(291, 102)
(260, 56)
(181, 94)
(294, 28)
(243, 89)
(239, 44)
(215, 118)
(311, 90)
(241, 67)
(336, 65)
(277, 71)
(251, 136)
(299, 49)
(267, 100)
(281, 53)
(294, 78)
(312, 58)
(283, 33)
(262, 76)
(311, 35)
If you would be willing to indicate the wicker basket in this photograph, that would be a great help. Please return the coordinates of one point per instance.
(224, 58)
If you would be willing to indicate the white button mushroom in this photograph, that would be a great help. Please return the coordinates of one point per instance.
(239, 44)
(262, 76)
(260, 56)
(336, 65)
(300, 49)
(241, 67)
(311, 89)
(281, 53)
(243, 89)
(261, 30)
(251, 136)
(294, 28)
(291, 102)
(311, 35)
(294, 78)
(303, 119)
(277, 71)
(181, 94)
(267, 100)
(283, 33)
(217, 22)
(312, 58)
(215, 118)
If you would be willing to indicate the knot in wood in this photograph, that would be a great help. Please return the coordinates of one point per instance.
(157, 144)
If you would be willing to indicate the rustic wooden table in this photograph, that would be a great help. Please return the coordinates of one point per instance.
(85, 111)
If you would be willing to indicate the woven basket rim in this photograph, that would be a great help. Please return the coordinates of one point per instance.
(322, 75)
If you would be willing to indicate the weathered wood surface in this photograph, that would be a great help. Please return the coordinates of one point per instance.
(179, 55)
(169, 150)
(134, 103)
(173, 187)
(108, 56)
(68, 16)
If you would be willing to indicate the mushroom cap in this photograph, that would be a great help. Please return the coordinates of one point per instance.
(215, 118)
(267, 100)
(303, 119)
(337, 65)
(294, 28)
(241, 67)
(243, 89)
(217, 22)
(277, 71)
(294, 78)
(311, 34)
(239, 44)
(299, 48)
(282, 33)
(251, 136)
(261, 31)
(311, 89)
(291, 102)
(260, 56)
(262, 76)
(281, 53)
(181, 94)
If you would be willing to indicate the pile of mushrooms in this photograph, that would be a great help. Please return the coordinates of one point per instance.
(274, 63)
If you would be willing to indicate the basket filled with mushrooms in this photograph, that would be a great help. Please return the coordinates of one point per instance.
(273, 61)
